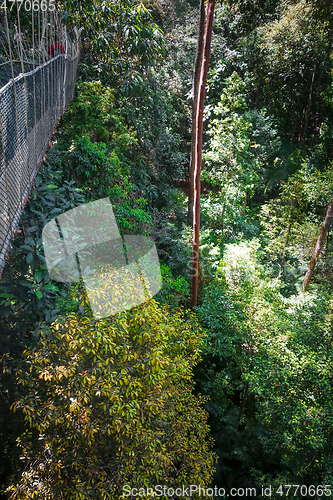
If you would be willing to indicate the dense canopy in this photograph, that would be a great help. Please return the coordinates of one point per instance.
(237, 392)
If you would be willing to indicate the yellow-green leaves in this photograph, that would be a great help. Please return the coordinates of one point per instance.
(110, 420)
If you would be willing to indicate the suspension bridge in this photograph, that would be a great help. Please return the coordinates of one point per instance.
(37, 82)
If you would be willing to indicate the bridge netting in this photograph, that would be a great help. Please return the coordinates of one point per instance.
(37, 80)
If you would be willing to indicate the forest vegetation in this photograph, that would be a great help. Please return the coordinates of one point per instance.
(234, 392)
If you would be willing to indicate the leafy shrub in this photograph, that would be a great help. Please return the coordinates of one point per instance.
(92, 112)
(99, 152)
(27, 294)
(110, 404)
(27, 297)
(267, 370)
(174, 291)
(101, 174)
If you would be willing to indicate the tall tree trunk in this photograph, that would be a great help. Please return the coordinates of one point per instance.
(319, 245)
(325, 254)
(244, 397)
(196, 82)
(198, 150)
(308, 109)
(223, 210)
(222, 219)
(284, 251)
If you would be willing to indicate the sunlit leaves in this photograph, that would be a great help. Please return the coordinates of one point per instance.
(111, 400)
(293, 68)
(283, 350)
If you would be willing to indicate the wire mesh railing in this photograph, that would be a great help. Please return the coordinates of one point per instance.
(31, 103)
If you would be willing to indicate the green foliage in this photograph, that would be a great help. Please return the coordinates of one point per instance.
(242, 148)
(71, 302)
(174, 291)
(110, 403)
(92, 164)
(267, 366)
(27, 294)
(244, 144)
(102, 169)
(292, 68)
(323, 150)
(223, 315)
(172, 240)
(87, 388)
(219, 316)
(230, 155)
(101, 175)
(244, 15)
(27, 297)
(93, 112)
(121, 33)
(292, 382)
(291, 222)
(11, 425)
(121, 47)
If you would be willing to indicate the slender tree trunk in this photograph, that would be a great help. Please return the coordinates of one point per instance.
(243, 403)
(308, 109)
(196, 82)
(223, 210)
(258, 93)
(301, 128)
(198, 150)
(285, 250)
(319, 245)
(326, 253)
(222, 217)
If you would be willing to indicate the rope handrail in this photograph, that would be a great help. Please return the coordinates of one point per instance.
(29, 73)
